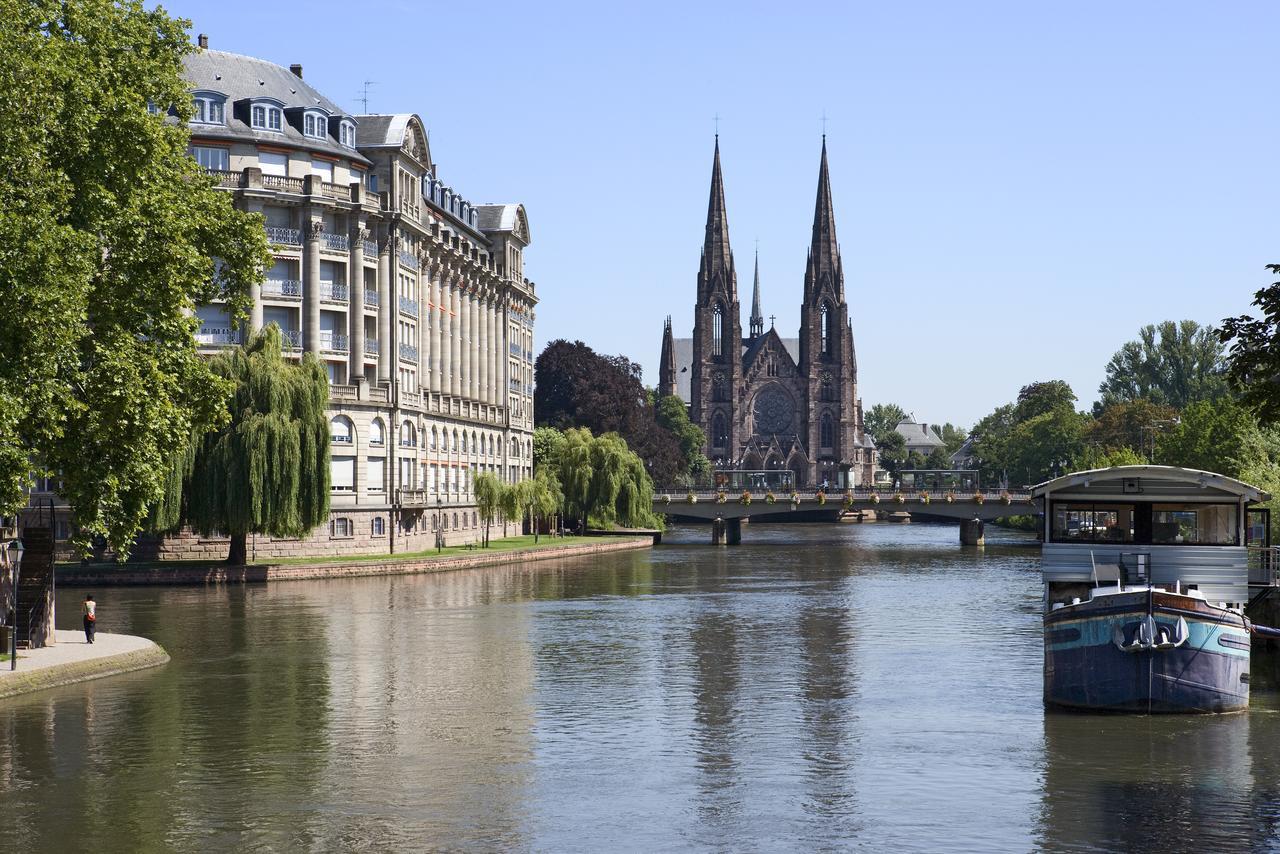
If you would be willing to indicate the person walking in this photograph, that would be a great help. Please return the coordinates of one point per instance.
(90, 618)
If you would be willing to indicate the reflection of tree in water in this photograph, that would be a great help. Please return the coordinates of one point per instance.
(1164, 783)
(713, 643)
(827, 708)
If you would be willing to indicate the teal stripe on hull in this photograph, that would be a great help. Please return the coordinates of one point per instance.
(1097, 631)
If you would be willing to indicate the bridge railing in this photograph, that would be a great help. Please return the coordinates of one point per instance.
(852, 497)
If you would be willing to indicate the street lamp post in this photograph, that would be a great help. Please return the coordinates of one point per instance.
(439, 524)
(15, 564)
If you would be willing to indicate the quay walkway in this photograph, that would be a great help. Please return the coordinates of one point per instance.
(71, 660)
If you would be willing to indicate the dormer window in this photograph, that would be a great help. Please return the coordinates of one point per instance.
(266, 117)
(315, 125)
(347, 134)
(208, 109)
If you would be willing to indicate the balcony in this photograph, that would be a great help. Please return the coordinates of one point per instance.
(409, 352)
(371, 298)
(343, 392)
(334, 242)
(333, 341)
(292, 339)
(279, 235)
(335, 191)
(410, 398)
(413, 498)
(217, 337)
(409, 306)
(408, 259)
(224, 178)
(371, 346)
(290, 289)
(515, 349)
(410, 209)
(333, 291)
(370, 248)
(281, 183)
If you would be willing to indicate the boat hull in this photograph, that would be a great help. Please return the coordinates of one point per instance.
(1191, 657)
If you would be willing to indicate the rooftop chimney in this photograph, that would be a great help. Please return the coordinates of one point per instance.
(203, 41)
(297, 70)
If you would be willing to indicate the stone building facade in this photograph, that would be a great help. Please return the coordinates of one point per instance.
(412, 296)
(766, 402)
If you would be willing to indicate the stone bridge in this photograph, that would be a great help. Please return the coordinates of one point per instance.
(727, 510)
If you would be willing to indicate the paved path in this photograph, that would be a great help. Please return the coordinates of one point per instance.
(72, 660)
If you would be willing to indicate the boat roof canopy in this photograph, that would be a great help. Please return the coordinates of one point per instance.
(1149, 482)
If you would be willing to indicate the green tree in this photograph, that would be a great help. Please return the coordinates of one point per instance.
(1253, 360)
(672, 414)
(488, 492)
(1045, 445)
(892, 450)
(881, 419)
(512, 500)
(1041, 398)
(1132, 424)
(1221, 437)
(938, 459)
(990, 443)
(604, 482)
(545, 499)
(108, 235)
(1173, 364)
(1095, 457)
(953, 437)
(266, 471)
(547, 445)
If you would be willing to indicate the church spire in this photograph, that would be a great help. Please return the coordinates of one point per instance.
(824, 250)
(757, 318)
(717, 254)
(667, 363)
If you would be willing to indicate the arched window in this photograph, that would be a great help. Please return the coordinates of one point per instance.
(444, 441)
(377, 434)
(435, 438)
(515, 447)
(824, 323)
(828, 431)
(719, 433)
(464, 441)
(826, 393)
(481, 448)
(717, 389)
(408, 435)
(717, 330)
(379, 528)
(340, 430)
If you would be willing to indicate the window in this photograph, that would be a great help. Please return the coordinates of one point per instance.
(828, 431)
(208, 110)
(717, 389)
(315, 125)
(340, 430)
(273, 163)
(323, 168)
(1195, 524)
(347, 135)
(342, 474)
(826, 393)
(408, 436)
(1093, 523)
(210, 157)
(265, 117)
(824, 323)
(341, 528)
(376, 432)
(375, 471)
(717, 331)
(379, 527)
(719, 433)
(464, 442)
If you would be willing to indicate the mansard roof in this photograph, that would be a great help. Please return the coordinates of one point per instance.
(508, 217)
(398, 130)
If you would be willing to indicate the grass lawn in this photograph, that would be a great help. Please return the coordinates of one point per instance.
(496, 546)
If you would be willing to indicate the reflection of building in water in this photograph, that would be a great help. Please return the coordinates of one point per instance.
(1163, 783)
(828, 711)
(431, 698)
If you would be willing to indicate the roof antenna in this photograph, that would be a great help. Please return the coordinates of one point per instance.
(363, 97)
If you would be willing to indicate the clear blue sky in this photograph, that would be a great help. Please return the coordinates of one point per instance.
(1018, 186)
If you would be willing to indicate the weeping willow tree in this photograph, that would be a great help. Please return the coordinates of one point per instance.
(604, 482)
(267, 470)
(488, 491)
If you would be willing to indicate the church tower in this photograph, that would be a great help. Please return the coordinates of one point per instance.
(667, 363)
(717, 330)
(757, 318)
(827, 359)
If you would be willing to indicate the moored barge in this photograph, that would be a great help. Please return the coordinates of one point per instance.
(1146, 576)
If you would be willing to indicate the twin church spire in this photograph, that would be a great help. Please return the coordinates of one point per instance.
(823, 270)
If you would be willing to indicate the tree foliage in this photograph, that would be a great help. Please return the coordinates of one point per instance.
(107, 238)
(881, 419)
(578, 387)
(1253, 360)
(602, 481)
(1172, 364)
(266, 471)
(672, 414)
(488, 493)
(1134, 425)
(1220, 436)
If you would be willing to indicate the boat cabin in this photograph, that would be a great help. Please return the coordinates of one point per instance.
(1149, 525)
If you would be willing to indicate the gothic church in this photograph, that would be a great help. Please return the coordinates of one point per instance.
(767, 402)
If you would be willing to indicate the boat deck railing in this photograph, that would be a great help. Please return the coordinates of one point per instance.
(1264, 566)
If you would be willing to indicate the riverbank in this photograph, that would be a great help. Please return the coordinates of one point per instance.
(71, 660)
(518, 550)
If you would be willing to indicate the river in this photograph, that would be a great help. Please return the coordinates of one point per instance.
(818, 687)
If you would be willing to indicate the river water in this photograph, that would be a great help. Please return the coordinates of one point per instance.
(819, 687)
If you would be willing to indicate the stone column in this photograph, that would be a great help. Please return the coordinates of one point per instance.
(485, 376)
(386, 316)
(424, 319)
(971, 532)
(437, 322)
(311, 282)
(473, 345)
(495, 351)
(446, 331)
(464, 336)
(355, 303)
(456, 338)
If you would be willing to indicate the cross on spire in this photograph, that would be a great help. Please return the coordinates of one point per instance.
(772, 318)
(717, 121)
(824, 124)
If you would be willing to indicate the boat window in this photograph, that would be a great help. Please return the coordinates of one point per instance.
(1093, 523)
(1194, 524)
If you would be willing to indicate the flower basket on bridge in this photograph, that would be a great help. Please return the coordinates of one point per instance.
(822, 497)
(978, 498)
(746, 498)
(848, 500)
(721, 497)
(951, 498)
(691, 498)
(795, 498)
(899, 498)
(924, 498)
(666, 499)
(770, 498)
(1006, 499)
(874, 499)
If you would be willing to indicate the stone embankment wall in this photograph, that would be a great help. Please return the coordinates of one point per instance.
(96, 576)
(25, 681)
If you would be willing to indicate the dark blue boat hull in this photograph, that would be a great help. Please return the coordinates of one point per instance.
(1085, 669)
